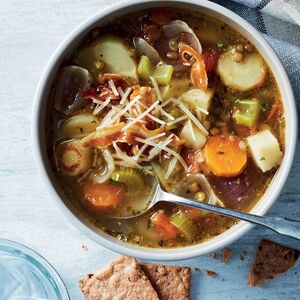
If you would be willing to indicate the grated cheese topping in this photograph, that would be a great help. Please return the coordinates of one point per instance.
(113, 87)
(193, 118)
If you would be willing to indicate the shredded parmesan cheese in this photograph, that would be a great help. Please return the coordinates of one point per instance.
(192, 130)
(165, 113)
(127, 159)
(182, 118)
(172, 152)
(120, 91)
(141, 116)
(113, 87)
(171, 167)
(193, 118)
(102, 106)
(169, 100)
(157, 90)
(125, 96)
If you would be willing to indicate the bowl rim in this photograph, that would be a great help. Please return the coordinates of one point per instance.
(236, 231)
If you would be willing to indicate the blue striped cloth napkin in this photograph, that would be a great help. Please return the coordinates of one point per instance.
(279, 22)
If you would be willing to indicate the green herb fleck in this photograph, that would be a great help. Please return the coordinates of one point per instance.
(262, 158)
(129, 208)
(81, 129)
(93, 122)
(220, 44)
(237, 101)
(112, 181)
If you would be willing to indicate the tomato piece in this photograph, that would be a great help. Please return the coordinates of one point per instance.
(160, 16)
(210, 57)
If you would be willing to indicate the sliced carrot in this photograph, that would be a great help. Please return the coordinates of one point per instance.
(224, 156)
(193, 213)
(198, 73)
(274, 110)
(102, 197)
(163, 225)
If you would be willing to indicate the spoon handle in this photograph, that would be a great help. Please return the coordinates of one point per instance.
(282, 226)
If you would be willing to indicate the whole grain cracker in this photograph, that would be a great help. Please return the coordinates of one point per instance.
(270, 260)
(122, 279)
(170, 282)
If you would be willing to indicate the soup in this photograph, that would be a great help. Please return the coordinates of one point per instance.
(171, 94)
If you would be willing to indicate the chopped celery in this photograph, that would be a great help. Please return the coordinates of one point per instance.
(145, 67)
(247, 112)
(184, 225)
(132, 179)
(163, 73)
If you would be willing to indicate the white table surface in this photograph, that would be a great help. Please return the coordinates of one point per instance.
(30, 30)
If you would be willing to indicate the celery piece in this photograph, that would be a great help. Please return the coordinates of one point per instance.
(163, 73)
(247, 112)
(145, 67)
(184, 225)
(132, 179)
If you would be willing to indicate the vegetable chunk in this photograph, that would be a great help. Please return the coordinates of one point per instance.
(72, 158)
(193, 137)
(242, 76)
(224, 157)
(247, 113)
(80, 125)
(163, 225)
(113, 52)
(265, 150)
(102, 197)
(197, 98)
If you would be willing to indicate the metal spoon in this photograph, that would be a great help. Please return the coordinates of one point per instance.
(282, 226)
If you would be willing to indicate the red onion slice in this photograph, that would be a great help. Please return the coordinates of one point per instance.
(71, 81)
(144, 48)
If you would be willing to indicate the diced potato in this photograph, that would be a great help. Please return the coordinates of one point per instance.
(242, 76)
(175, 88)
(197, 98)
(247, 112)
(113, 52)
(72, 158)
(193, 137)
(79, 126)
(265, 150)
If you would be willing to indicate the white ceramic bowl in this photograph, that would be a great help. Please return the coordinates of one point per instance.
(38, 127)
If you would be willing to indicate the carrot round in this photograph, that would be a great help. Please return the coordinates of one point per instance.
(224, 157)
(103, 197)
(163, 225)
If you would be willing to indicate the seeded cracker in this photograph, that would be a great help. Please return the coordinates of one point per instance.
(122, 279)
(170, 282)
(270, 260)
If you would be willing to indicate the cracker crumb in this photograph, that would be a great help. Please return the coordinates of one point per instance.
(84, 247)
(226, 254)
(196, 269)
(210, 273)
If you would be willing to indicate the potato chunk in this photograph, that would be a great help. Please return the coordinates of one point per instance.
(197, 98)
(193, 137)
(79, 125)
(113, 52)
(72, 158)
(265, 150)
(242, 76)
